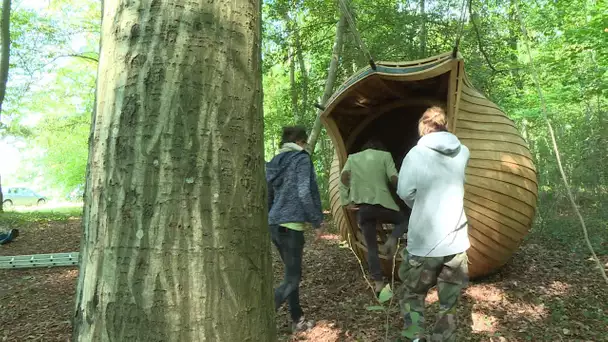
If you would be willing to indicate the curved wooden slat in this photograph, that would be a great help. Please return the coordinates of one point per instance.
(497, 146)
(497, 237)
(476, 100)
(481, 110)
(504, 200)
(504, 177)
(492, 224)
(504, 167)
(485, 118)
(484, 127)
(490, 249)
(503, 157)
(489, 204)
(506, 138)
(514, 192)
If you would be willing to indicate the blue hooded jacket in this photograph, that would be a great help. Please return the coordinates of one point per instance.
(293, 193)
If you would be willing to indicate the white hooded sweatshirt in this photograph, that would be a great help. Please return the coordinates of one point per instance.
(431, 182)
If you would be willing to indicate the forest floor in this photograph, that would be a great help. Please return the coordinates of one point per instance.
(543, 294)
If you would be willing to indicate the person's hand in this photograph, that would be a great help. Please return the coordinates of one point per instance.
(319, 232)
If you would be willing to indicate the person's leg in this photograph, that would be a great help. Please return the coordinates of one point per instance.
(293, 272)
(367, 224)
(418, 276)
(397, 218)
(451, 281)
(278, 235)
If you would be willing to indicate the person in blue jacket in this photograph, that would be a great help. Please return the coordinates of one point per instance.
(293, 203)
(8, 237)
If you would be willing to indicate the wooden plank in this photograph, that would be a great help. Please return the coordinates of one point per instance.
(490, 246)
(420, 75)
(512, 168)
(489, 193)
(479, 109)
(484, 252)
(432, 59)
(496, 146)
(476, 100)
(495, 221)
(486, 118)
(507, 137)
(503, 157)
(515, 192)
(504, 177)
(485, 127)
(478, 265)
(470, 90)
(521, 218)
(508, 238)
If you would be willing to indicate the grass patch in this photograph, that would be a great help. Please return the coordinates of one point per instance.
(26, 216)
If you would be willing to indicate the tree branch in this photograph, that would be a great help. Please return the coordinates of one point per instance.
(480, 45)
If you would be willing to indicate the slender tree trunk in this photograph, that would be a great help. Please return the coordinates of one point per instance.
(293, 87)
(423, 33)
(303, 74)
(5, 36)
(175, 241)
(513, 42)
(332, 74)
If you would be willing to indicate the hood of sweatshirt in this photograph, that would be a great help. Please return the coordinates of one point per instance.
(443, 142)
(278, 164)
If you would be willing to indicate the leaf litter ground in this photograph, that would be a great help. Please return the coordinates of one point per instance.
(543, 294)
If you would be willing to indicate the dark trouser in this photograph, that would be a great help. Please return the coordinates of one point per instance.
(290, 244)
(369, 216)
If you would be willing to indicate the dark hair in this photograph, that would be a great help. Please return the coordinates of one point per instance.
(373, 144)
(292, 134)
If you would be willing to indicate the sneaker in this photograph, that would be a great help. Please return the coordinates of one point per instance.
(302, 325)
(378, 286)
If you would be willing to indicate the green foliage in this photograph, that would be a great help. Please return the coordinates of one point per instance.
(386, 294)
(51, 89)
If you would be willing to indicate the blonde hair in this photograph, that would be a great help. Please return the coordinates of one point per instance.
(433, 120)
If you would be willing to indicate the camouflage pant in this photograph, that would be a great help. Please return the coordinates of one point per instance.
(419, 275)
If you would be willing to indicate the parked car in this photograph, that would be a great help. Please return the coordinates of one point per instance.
(21, 196)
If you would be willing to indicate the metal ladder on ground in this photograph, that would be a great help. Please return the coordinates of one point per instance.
(39, 260)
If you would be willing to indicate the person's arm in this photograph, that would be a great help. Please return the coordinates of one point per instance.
(306, 179)
(391, 170)
(345, 178)
(406, 188)
(270, 195)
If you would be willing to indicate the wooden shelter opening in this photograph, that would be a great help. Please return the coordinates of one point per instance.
(386, 102)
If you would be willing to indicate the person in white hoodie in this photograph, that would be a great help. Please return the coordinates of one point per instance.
(431, 182)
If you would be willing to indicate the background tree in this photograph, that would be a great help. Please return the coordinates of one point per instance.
(5, 37)
(175, 246)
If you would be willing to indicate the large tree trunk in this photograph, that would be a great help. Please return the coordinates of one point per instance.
(332, 74)
(175, 244)
(5, 37)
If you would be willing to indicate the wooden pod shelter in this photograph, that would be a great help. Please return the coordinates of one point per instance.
(386, 103)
